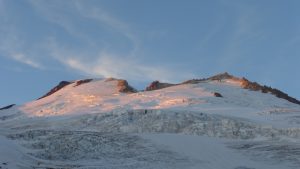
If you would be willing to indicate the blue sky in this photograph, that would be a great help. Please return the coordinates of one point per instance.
(43, 42)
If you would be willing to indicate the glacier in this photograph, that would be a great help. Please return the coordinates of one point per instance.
(94, 125)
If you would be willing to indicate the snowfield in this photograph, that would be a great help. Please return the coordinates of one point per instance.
(93, 125)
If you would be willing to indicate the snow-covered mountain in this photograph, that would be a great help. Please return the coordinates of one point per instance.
(221, 122)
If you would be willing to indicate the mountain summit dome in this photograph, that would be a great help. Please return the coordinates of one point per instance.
(218, 122)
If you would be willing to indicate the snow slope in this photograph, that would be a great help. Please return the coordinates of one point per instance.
(94, 125)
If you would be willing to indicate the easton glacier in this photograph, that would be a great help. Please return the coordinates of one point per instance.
(213, 123)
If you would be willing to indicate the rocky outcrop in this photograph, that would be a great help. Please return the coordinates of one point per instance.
(193, 81)
(7, 107)
(222, 76)
(216, 94)
(254, 86)
(80, 82)
(218, 77)
(246, 84)
(61, 85)
(124, 87)
(156, 85)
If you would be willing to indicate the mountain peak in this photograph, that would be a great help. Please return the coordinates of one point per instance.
(119, 85)
(156, 85)
(60, 85)
(222, 76)
(226, 77)
(122, 85)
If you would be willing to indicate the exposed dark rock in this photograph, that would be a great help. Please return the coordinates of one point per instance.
(80, 82)
(216, 94)
(110, 79)
(246, 84)
(61, 85)
(156, 85)
(194, 81)
(7, 107)
(124, 87)
(221, 76)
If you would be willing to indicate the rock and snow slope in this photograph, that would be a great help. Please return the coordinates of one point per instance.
(105, 123)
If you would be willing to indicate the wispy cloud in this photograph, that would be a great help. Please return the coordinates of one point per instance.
(65, 15)
(62, 14)
(11, 47)
(245, 28)
(2, 8)
(110, 66)
(106, 64)
(88, 57)
(26, 60)
(101, 62)
(104, 17)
